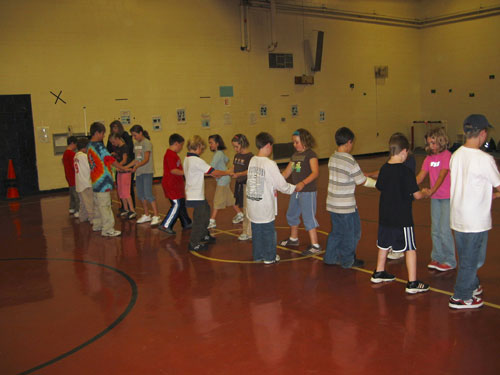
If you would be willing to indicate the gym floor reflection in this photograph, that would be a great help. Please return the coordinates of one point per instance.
(73, 302)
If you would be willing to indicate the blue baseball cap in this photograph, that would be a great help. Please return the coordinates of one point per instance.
(476, 122)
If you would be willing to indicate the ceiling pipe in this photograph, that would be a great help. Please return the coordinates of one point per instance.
(271, 47)
(379, 19)
(245, 26)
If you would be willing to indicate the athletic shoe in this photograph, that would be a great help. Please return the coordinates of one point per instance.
(244, 237)
(121, 210)
(166, 230)
(413, 287)
(478, 291)
(71, 211)
(238, 218)
(111, 233)
(313, 250)
(208, 239)
(275, 260)
(289, 242)
(76, 214)
(433, 265)
(381, 276)
(358, 263)
(144, 219)
(473, 303)
(124, 214)
(393, 255)
(199, 247)
(96, 229)
(131, 215)
(155, 220)
(212, 224)
(443, 267)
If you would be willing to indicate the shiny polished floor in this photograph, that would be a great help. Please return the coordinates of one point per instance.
(72, 302)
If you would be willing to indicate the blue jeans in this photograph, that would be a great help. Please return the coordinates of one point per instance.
(471, 249)
(443, 246)
(264, 241)
(343, 239)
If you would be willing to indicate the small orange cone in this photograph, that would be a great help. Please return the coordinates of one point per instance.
(12, 192)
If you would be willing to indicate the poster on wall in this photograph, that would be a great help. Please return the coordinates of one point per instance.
(125, 117)
(205, 120)
(322, 116)
(263, 110)
(181, 116)
(295, 110)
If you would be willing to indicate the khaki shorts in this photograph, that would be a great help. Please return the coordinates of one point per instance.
(223, 197)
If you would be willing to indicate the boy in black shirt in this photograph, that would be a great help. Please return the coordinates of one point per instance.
(398, 187)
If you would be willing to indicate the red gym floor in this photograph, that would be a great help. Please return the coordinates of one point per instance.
(73, 302)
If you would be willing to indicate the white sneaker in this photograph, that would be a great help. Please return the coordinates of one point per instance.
(71, 211)
(238, 218)
(111, 233)
(244, 237)
(212, 224)
(155, 220)
(276, 260)
(76, 214)
(143, 219)
(394, 255)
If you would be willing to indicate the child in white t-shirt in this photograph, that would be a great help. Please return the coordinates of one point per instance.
(263, 181)
(83, 183)
(195, 169)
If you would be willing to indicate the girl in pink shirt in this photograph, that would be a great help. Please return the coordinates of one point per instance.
(437, 166)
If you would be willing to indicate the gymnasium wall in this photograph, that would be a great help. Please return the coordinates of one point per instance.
(166, 55)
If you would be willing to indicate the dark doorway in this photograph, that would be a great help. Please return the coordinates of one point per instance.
(17, 142)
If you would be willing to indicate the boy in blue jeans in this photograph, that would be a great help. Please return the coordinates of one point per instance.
(263, 181)
(474, 174)
(344, 175)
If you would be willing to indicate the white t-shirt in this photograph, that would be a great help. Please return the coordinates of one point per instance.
(263, 181)
(194, 171)
(473, 175)
(82, 172)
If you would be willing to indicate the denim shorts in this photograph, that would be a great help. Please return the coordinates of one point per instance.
(396, 239)
(144, 185)
(303, 203)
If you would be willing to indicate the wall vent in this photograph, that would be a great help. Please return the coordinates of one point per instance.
(280, 60)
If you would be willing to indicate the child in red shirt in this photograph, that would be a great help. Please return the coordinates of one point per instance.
(173, 186)
(69, 172)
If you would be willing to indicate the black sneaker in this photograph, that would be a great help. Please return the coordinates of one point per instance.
(120, 211)
(313, 250)
(358, 263)
(166, 230)
(289, 242)
(131, 215)
(416, 286)
(208, 239)
(381, 276)
(199, 247)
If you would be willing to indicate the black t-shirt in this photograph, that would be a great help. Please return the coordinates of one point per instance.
(397, 183)
(301, 168)
(120, 151)
(241, 162)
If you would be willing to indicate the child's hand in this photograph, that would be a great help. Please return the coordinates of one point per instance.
(299, 186)
(426, 192)
(496, 194)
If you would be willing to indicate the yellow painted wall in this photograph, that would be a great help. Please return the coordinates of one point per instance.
(164, 55)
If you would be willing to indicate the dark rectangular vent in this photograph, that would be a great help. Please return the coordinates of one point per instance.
(280, 60)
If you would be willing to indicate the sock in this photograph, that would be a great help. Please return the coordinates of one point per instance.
(294, 239)
(316, 245)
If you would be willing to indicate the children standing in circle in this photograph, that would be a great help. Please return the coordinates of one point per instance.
(223, 196)
(240, 171)
(123, 179)
(437, 165)
(398, 186)
(143, 167)
(304, 170)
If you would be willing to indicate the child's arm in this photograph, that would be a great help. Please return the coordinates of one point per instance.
(421, 176)
(439, 181)
(279, 182)
(373, 174)
(288, 171)
(136, 164)
(124, 160)
(497, 193)
(177, 172)
(217, 173)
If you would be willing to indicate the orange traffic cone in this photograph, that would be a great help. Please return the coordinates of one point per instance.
(12, 192)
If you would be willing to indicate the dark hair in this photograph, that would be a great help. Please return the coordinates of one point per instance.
(97, 127)
(241, 139)
(218, 139)
(71, 139)
(397, 143)
(343, 135)
(175, 138)
(138, 129)
(82, 143)
(119, 125)
(306, 138)
(262, 139)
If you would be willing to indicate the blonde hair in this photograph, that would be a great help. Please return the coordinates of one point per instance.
(439, 136)
(194, 142)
